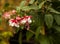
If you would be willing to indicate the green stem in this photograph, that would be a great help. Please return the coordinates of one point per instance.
(31, 31)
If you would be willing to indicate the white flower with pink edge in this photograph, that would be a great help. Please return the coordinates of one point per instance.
(26, 19)
(13, 22)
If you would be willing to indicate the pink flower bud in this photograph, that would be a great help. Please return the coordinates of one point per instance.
(18, 18)
(6, 15)
(13, 11)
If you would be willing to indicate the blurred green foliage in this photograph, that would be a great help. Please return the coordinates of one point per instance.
(45, 28)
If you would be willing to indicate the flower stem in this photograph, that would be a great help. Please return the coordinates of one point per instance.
(31, 31)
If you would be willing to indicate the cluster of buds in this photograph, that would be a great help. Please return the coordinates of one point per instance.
(17, 21)
(26, 20)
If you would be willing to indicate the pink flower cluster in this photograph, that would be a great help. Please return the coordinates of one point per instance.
(17, 21)
(20, 21)
(7, 14)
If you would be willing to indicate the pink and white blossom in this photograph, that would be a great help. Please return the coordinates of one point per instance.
(13, 22)
(23, 21)
(28, 18)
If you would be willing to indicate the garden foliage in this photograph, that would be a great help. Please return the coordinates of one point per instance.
(43, 27)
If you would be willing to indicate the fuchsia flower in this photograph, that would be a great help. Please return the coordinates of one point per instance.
(23, 20)
(18, 18)
(13, 22)
(6, 15)
(26, 19)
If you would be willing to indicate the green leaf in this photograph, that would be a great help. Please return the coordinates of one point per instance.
(41, 4)
(49, 20)
(18, 9)
(31, 1)
(37, 32)
(53, 10)
(57, 28)
(44, 40)
(57, 19)
(28, 35)
(22, 4)
(27, 8)
(35, 7)
(39, 1)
